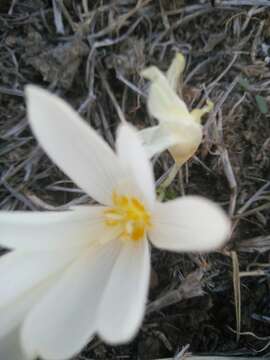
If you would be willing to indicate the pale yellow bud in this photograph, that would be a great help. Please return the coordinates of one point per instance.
(179, 130)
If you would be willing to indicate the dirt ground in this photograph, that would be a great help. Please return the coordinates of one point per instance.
(91, 53)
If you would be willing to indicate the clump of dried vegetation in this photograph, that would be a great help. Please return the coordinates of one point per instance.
(91, 53)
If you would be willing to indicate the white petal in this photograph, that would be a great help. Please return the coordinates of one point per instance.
(191, 223)
(134, 161)
(189, 137)
(163, 103)
(10, 347)
(12, 315)
(156, 139)
(180, 138)
(123, 303)
(50, 230)
(65, 319)
(73, 145)
(175, 70)
(21, 271)
(148, 135)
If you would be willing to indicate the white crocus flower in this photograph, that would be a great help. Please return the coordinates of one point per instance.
(179, 130)
(82, 272)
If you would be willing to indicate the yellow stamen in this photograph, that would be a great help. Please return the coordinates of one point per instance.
(130, 215)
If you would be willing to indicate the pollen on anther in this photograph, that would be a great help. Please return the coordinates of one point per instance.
(129, 215)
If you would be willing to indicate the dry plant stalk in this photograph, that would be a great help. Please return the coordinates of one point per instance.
(189, 288)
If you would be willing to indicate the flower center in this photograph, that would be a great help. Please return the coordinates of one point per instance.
(130, 215)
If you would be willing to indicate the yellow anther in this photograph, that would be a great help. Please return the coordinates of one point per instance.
(129, 215)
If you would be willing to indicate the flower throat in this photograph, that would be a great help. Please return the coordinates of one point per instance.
(130, 215)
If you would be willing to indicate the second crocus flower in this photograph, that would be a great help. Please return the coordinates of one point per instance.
(179, 130)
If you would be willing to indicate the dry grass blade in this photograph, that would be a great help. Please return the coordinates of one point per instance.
(237, 293)
(245, 3)
(193, 357)
(58, 20)
(228, 170)
(259, 244)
